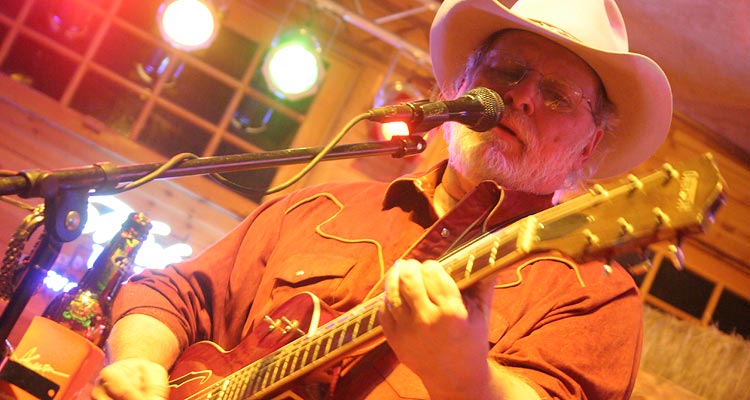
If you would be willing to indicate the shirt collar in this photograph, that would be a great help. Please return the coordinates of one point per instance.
(420, 187)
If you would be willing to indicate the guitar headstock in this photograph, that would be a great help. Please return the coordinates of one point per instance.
(664, 205)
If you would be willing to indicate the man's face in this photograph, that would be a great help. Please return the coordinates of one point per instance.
(541, 139)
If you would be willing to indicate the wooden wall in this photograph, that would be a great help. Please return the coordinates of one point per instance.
(721, 255)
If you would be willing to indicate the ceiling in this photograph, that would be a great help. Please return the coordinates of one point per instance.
(703, 46)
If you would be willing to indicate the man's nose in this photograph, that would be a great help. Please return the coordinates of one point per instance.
(523, 95)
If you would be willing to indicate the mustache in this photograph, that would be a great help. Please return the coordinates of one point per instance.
(520, 125)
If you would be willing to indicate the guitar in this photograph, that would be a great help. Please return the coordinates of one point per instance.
(598, 225)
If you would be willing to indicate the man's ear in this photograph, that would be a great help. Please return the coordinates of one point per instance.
(591, 146)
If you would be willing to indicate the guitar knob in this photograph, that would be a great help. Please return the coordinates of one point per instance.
(271, 323)
(291, 326)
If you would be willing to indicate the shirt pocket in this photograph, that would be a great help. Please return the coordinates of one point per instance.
(316, 273)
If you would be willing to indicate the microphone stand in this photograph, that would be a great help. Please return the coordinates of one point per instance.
(65, 193)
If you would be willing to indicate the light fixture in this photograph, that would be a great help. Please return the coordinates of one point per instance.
(69, 19)
(105, 216)
(188, 24)
(159, 64)
(393, 93)
(251, 117)
(293, 68)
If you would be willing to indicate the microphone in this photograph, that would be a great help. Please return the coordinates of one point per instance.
(480, 109)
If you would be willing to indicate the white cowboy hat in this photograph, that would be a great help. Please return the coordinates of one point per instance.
(592, 29)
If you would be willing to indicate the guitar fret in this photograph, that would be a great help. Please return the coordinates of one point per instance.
(237, 384)
(342, 337)
(493, 251)
(284, 366)
(357, 326)
(256, 386)
(355, 331)
(328, 344)
(274, 373)
(305, 354)
(316, 349)
(371, 323)
(469, 266)
(294, 360)
(249, 376)
(233, 390)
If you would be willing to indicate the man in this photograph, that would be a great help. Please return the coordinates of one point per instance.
(544, 328)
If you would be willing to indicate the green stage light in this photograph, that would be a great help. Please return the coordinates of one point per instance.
(293, 67)
(188, 24)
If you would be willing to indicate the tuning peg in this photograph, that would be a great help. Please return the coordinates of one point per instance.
(591, 238)
(671, 172)
(661, 217)
(670, 251)
(625, 227)
(676, 256)
(599, 190)
(635, 183)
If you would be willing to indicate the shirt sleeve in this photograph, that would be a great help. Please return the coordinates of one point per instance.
(572, 331)
(198, 299)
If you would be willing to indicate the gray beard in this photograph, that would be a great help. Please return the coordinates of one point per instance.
(481, 156)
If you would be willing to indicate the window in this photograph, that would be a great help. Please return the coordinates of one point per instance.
(106, 59)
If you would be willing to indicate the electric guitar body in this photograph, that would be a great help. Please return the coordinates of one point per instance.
(203, 364)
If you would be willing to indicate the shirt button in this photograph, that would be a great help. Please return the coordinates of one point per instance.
(445, 232)
(299, 273)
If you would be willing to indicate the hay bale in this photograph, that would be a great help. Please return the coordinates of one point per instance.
(703, 360)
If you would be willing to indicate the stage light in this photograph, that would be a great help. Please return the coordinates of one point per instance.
(68, 19)
(395, 128)
(105, 216)
(293, 67)
(160, 62)
(188, 24)
(393, 93)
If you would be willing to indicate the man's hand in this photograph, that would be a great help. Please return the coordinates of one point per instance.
(436, 331)
(442, 334)
(132, 379)
(141, 348)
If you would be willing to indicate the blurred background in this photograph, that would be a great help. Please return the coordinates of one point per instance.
(87, 81)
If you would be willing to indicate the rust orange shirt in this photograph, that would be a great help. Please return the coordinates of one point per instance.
(573, 331)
